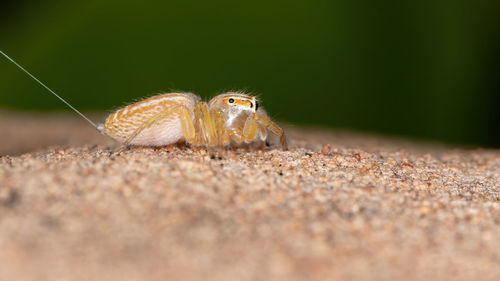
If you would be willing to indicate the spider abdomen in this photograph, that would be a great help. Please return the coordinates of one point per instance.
(124, 122)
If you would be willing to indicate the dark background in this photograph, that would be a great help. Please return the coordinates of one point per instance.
(428, 69)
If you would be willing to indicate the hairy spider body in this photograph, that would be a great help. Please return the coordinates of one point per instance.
(170, 118)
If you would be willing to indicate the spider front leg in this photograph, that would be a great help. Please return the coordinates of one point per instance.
(249, 131)
(265, 122)
(185, 117)
(205, 124)
(220, 131)
(250, 128)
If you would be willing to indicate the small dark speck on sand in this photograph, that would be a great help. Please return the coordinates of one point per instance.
(10, 200)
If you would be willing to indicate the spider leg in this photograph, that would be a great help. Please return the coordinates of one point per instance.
(185, 118)
(248, 133)
(264, 121)
(206, 124)
(262, 133)
(236, 135)
(220, 132)
(250, 128)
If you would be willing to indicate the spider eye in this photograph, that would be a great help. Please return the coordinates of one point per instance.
(231, 100)
(256, 105)
(251, 105)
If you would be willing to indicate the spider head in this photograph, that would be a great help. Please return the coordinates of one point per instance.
(236, 102)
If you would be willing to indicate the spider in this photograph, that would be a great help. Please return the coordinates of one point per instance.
(170, 118)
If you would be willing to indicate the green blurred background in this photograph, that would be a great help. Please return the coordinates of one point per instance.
(427, 69)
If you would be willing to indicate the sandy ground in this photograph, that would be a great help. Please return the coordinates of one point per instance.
(337, 206)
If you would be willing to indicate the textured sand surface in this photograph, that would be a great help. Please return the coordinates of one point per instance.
(337, 206)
